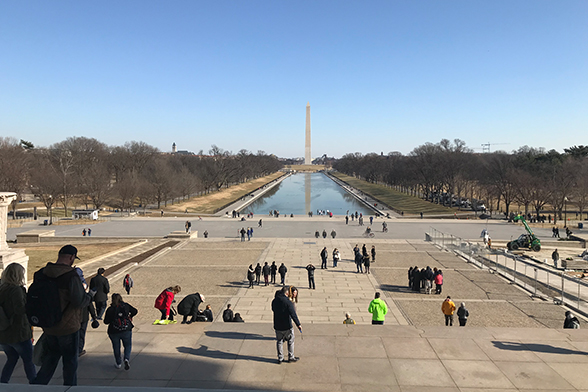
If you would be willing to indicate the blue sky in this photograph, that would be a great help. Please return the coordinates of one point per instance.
(379, 76)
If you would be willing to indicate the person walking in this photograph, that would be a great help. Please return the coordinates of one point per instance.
(310, 269)
(100, 285)
(258, 273)
(62, 339)
(119, 318)
(273, 270)
(346, 219)
(324, 255)
(462, 315)
(378, 309)
(164, 301)
(284, 313)
(128, 283)
(15, 339)
(324, 233)
(555, 257)
(251, 275)
(448, 308)
(333, 233)
(266, 273)
(260, 223)
(336, 257)
(282, 270)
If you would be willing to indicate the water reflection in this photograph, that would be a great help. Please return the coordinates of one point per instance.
(304, 192)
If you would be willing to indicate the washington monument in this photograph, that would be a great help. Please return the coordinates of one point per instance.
(307, 158)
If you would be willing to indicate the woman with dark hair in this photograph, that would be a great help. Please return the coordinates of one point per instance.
(119, 318)
(15, 340)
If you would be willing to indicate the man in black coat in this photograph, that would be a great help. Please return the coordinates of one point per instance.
(324, 255)
(100, 285)
(310, 268)
(284, 313)
(189, 307)
(282, 270)
(273, 270)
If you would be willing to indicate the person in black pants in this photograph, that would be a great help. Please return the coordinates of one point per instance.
(100, 285)
(273, 271)
(257, 273)
(324, 256)
(310, 268)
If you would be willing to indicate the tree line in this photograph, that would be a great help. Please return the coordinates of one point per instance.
(448, 172)
(121, 176)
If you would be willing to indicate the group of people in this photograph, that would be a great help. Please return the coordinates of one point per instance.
(86, 231)
(362, 258)
(248, 232)
(317, 234)
(59, 301)
(269, 273)
(424, 278)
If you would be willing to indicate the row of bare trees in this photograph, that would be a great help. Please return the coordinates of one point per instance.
(121, 176)
(447, 172)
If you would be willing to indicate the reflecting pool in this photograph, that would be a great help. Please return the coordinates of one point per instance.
(304, 192)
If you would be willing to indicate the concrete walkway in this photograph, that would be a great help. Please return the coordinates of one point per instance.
(338, 290)
(339, 358)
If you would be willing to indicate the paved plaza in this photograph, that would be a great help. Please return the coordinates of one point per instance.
(512, 341)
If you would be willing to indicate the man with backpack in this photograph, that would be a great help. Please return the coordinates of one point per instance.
(54, 302)
(228, 314)
(100, 285)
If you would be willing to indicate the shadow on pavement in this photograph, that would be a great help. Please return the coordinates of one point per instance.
(396, 288)
(541, 348)
(204, 351)
(236, 335)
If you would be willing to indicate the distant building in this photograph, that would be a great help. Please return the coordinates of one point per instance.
(85, 214)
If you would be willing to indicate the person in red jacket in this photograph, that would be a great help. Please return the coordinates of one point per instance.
(165, 300)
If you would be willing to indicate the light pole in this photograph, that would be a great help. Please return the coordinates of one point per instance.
(565, 212)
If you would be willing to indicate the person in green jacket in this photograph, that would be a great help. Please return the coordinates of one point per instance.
(378, 309)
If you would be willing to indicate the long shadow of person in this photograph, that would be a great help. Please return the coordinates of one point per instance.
(204, 351)
(536, 347)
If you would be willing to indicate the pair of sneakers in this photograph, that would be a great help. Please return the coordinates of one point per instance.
(127, 365)
(293, 359)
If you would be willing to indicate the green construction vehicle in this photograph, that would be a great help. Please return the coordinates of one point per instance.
(525, 241)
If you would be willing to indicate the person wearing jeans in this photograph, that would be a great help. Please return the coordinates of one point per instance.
(119, 317)
(15, 340)
(284, 312)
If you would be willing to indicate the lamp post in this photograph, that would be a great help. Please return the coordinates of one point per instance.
(565, 212)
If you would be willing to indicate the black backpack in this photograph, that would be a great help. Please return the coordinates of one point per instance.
(43, 303)
(122, 321)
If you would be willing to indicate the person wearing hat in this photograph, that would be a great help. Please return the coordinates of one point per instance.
(100, 285)
(63, 338)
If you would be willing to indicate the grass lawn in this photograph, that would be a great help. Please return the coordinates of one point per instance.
(397, 200)
(40, 255)
(211, 203)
